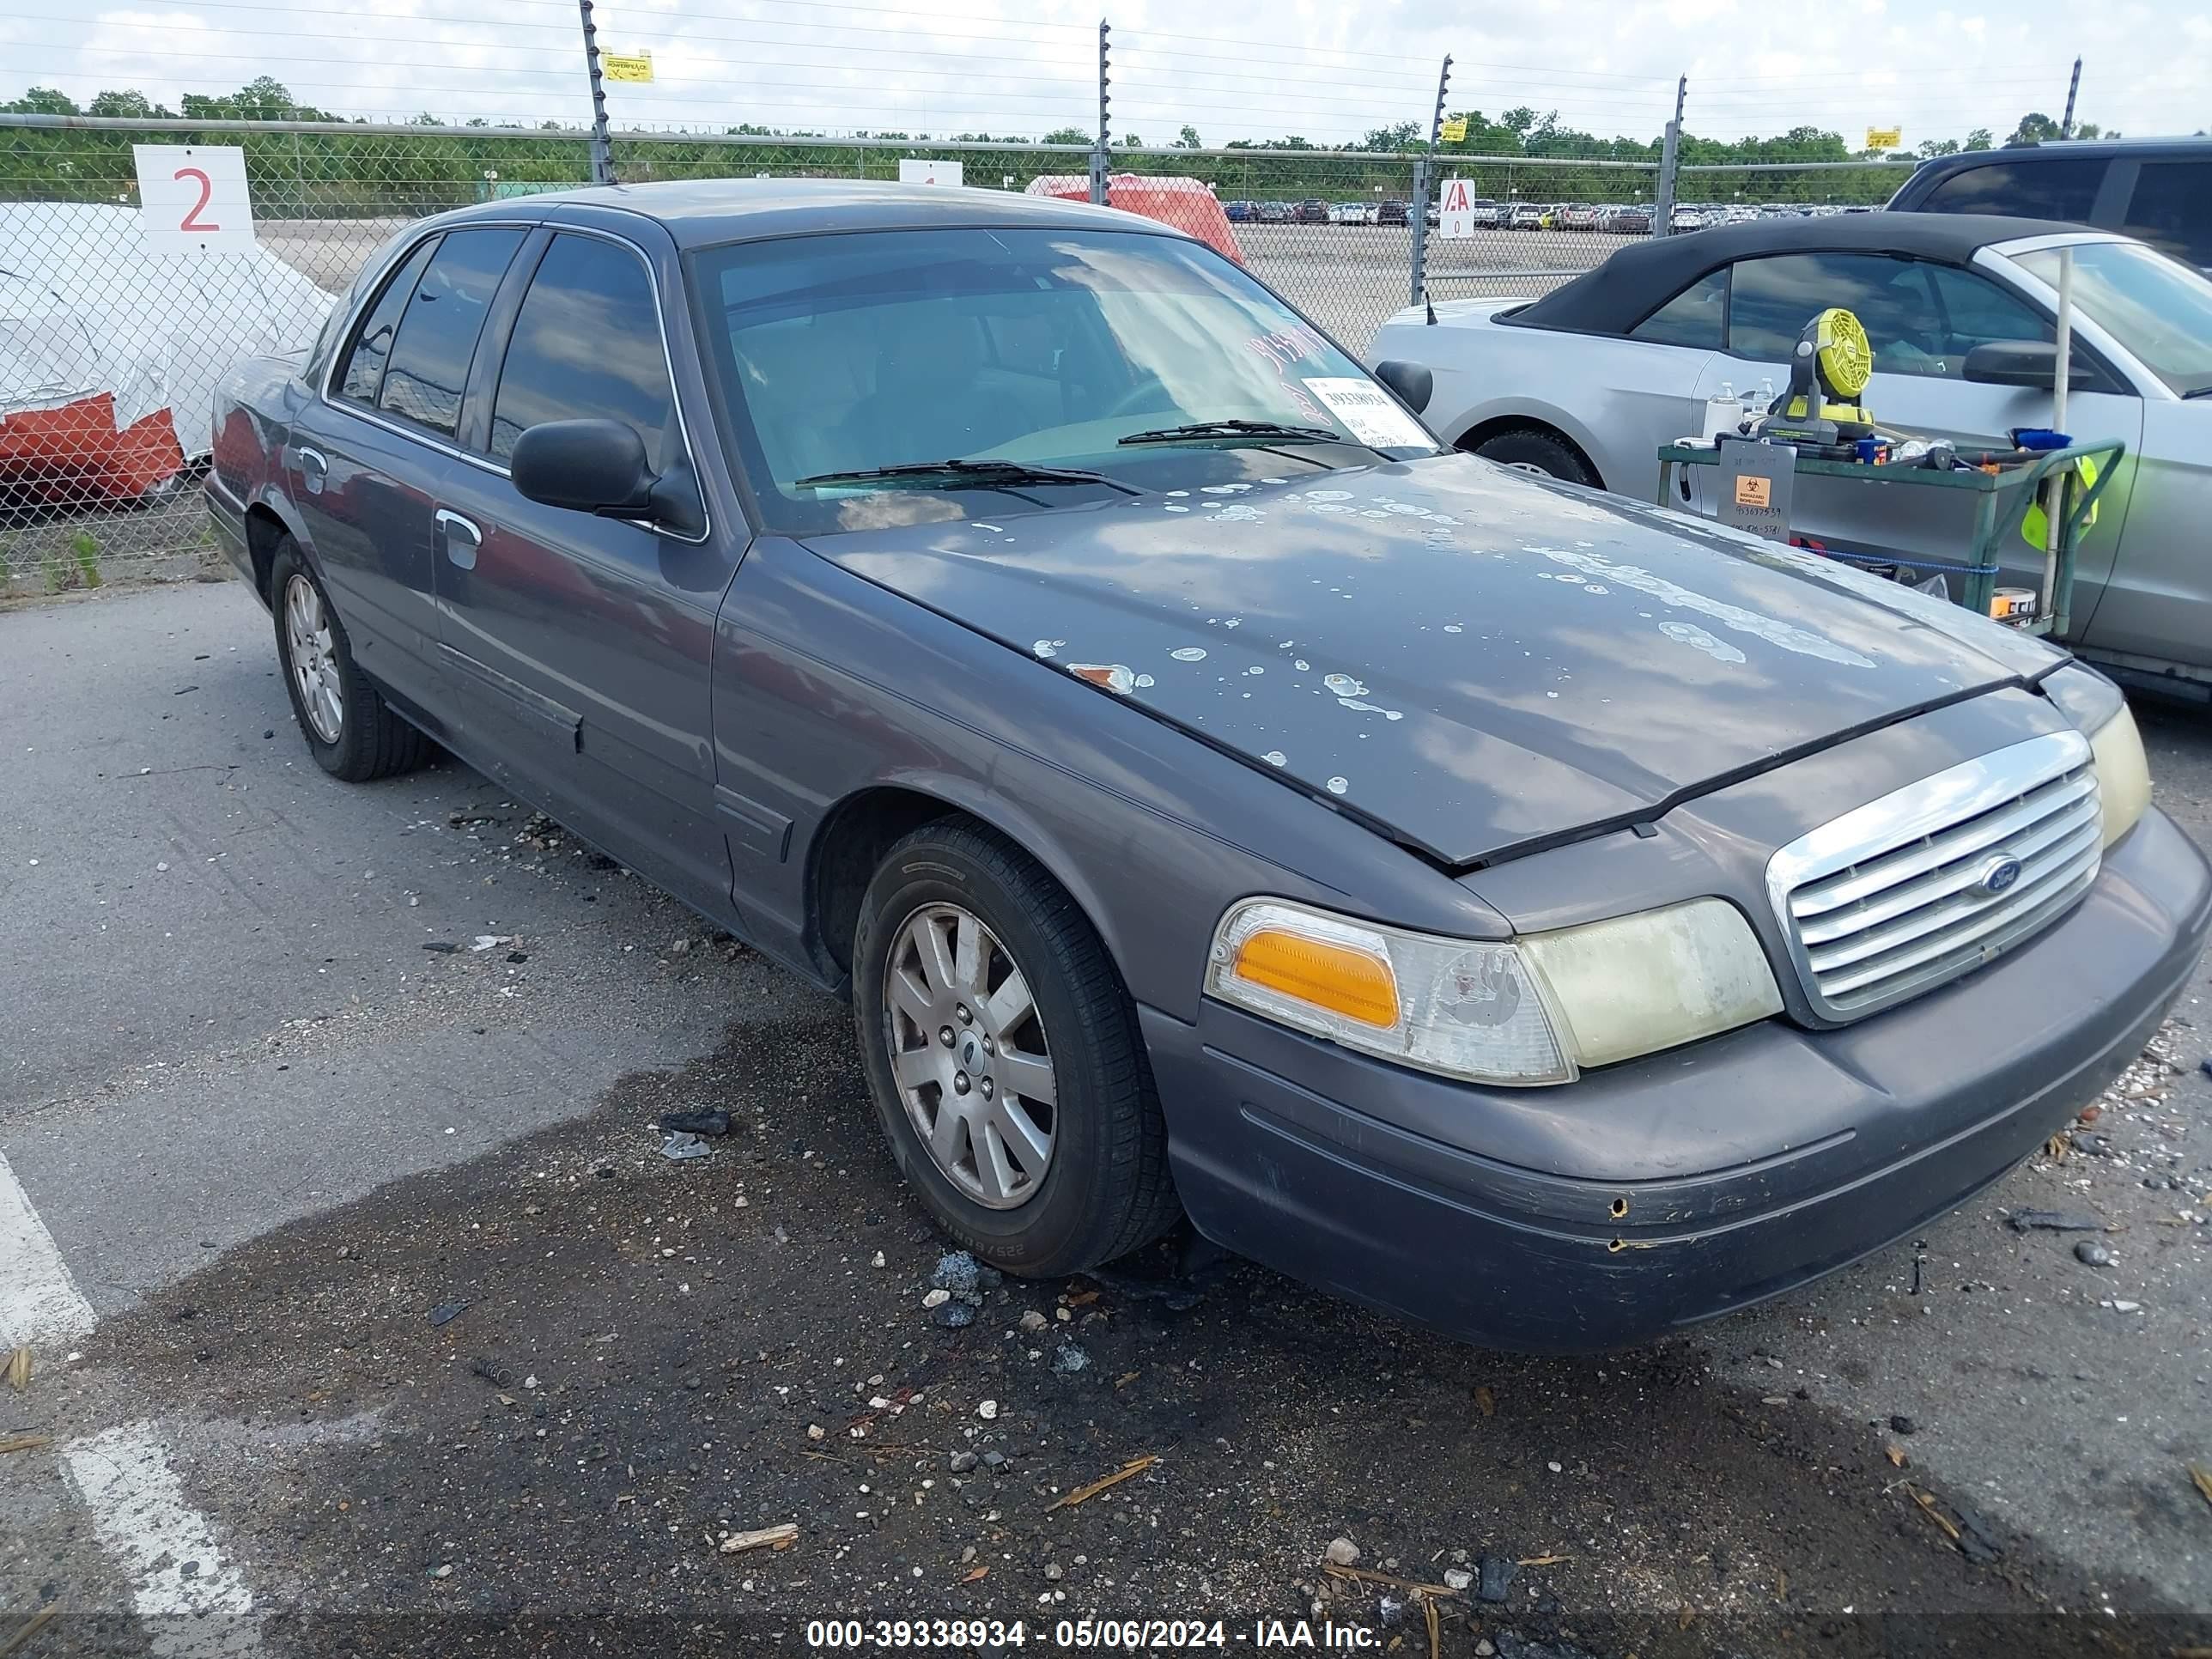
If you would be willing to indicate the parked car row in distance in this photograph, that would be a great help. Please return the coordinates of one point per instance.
(1702, 216)
(1623, 219)
(1393, 211)
(1619, 218)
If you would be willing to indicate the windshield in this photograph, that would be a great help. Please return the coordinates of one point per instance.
(851, 352)
(2159, 310)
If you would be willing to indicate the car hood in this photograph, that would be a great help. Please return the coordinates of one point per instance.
(1471, 658)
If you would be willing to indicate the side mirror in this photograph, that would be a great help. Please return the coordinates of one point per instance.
(1412, 382)
(2033, 363)
(587, 466)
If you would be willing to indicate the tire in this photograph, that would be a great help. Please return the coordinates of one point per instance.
(1534, 451)
(351, 730)
(1103, 1188)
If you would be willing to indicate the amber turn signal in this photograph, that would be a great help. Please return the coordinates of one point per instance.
(1337, 977)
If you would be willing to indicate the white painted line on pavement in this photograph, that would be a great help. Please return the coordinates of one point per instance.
(123, 1475)
(39, 1300)
(139, 1510)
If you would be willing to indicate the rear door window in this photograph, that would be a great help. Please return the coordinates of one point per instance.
(1692, 318)
(585, 346)
(2171, 209)
(438, 330)
(372, 347)
(2063, 188)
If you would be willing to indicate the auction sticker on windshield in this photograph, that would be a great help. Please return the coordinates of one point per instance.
(1368, 414)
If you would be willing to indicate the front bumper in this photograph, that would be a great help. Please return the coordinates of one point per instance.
(1683, 1185)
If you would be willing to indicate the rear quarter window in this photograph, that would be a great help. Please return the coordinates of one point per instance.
(364, 367)
(2063, 188)
(1692, 318)
(429, 361)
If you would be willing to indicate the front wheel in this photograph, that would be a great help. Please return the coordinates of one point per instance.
(1005, 1059)
(1525, 449)
(349, 729)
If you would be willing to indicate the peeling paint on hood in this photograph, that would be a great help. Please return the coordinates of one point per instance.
(1469, 656)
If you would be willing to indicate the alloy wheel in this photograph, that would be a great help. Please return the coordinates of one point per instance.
(312, 646)
(968, 1056)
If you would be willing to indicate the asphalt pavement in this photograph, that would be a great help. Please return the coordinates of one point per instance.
(367, 1317)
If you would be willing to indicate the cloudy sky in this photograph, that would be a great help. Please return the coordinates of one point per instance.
(1233, 69)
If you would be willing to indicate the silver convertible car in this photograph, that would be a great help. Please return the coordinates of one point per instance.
(1546, 917)
(1586, 384)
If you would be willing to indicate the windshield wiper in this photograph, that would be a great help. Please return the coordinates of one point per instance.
(2199, 392)
(976, 475)
(1276, 431)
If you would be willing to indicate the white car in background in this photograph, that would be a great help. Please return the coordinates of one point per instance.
(1588, 382)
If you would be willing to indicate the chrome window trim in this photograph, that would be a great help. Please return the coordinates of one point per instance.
(1927, 806)
(485, 463)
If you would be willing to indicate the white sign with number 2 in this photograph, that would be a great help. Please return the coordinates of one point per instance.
(192, 199)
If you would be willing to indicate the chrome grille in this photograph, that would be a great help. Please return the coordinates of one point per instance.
(1927, 882)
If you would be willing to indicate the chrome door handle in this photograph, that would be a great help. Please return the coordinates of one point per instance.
(314, 467)
(463, 538)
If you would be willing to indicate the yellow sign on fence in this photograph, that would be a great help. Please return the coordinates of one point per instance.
(1884, 137)
(1454, 131)
(618, 66)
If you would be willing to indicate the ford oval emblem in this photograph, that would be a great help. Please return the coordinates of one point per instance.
(1998, 875)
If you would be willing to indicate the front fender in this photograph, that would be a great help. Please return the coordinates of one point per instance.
(827, 686)
(1048, 839)
(1538, 411)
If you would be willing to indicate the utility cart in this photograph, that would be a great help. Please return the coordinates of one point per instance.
(2005, 496)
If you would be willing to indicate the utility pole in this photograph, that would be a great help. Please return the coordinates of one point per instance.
(603, 166)
(1670, 156)
(2066, 126)
(1425, 167)
(1098, 154)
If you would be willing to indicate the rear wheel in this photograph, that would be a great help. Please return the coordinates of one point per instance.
(1005, 1059)
(350, 731)
(1525, 449)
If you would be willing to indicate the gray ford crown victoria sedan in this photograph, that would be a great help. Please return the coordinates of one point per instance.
(1547, 918)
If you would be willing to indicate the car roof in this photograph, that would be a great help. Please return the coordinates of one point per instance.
(1939, 167)
(1622, 292)
(702, 212)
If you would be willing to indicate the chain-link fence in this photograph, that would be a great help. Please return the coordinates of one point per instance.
(111, 346)
(1538, 220)
(1327, 229)
(1715, 192)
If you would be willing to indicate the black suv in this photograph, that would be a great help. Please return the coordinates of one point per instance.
(2158, 189)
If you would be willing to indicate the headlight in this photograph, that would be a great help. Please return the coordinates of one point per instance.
(1640, 983)
(2099, 712)
(2123, 774)
(1533, 1011)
